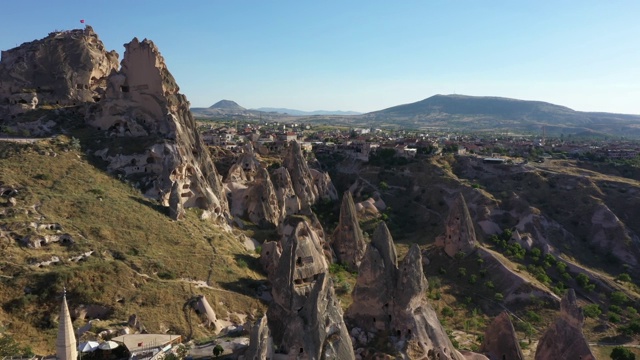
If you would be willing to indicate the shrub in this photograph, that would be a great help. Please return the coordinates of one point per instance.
(489, 284)
(614, 318)
(242, 263)
(582, 280)
(498, 296)
(592, 310)
(620, 353)
(618, 298)
(447, 311)
(624, 277)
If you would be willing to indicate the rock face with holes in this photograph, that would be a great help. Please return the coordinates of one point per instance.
(500, 341)
(304, 318)
(252, 193)
(309, 185)
(564, 338)
(160, 147)
(348, 240)
(391, 298)
(460, 235)
(65, 68)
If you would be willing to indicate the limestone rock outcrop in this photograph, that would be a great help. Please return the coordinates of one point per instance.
(288, 200)
(65, 68)
(261, 343)
(564, 338)
(205, 311)
(309, 185)
(348, 240)
(392, 299)
(304, 318)
(252, 193)
(500, 341)
(164, 153)
(460, 235)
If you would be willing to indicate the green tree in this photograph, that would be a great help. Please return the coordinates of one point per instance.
(218, 350)
(620, 353)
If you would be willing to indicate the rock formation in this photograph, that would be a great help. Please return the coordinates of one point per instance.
(253, 195)
(348, 240)
(288, 201)
(261, 343)
(164, 153)
(564, 338)
(205, 311)
(391, 299)
(309, 185)
(305, 319)
(301, 178)
(460, 235)
(500, 341)
(65, 68)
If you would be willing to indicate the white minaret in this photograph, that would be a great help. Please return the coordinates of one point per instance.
(66, 346)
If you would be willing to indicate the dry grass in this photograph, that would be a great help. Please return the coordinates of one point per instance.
(140, 256)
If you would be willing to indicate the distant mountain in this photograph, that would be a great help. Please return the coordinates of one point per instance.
(227, 105)
(225, 109)
(307, 113)
(481, 113)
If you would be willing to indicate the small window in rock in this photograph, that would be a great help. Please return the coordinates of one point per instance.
(124, 89)
(299, 261)
(399, 333)
(301, 350)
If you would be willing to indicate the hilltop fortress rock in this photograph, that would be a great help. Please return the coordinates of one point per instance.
(348, 240)
(165, 153)
(65, 68)
(460, 235)
(304, 318)
(564, 338)
(392, 299)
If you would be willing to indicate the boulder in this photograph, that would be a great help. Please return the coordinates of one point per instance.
(348, 240)
(564, 338)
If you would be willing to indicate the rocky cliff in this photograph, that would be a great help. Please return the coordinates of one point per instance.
(391, 299)
(166, 155)
(348, 240)
(65, 68)
(564, 338)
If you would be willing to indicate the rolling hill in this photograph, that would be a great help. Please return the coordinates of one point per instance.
(484, 113)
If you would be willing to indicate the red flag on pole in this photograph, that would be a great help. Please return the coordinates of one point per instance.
(82, 21)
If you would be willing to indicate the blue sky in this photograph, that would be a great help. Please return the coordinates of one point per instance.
(368, 55)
